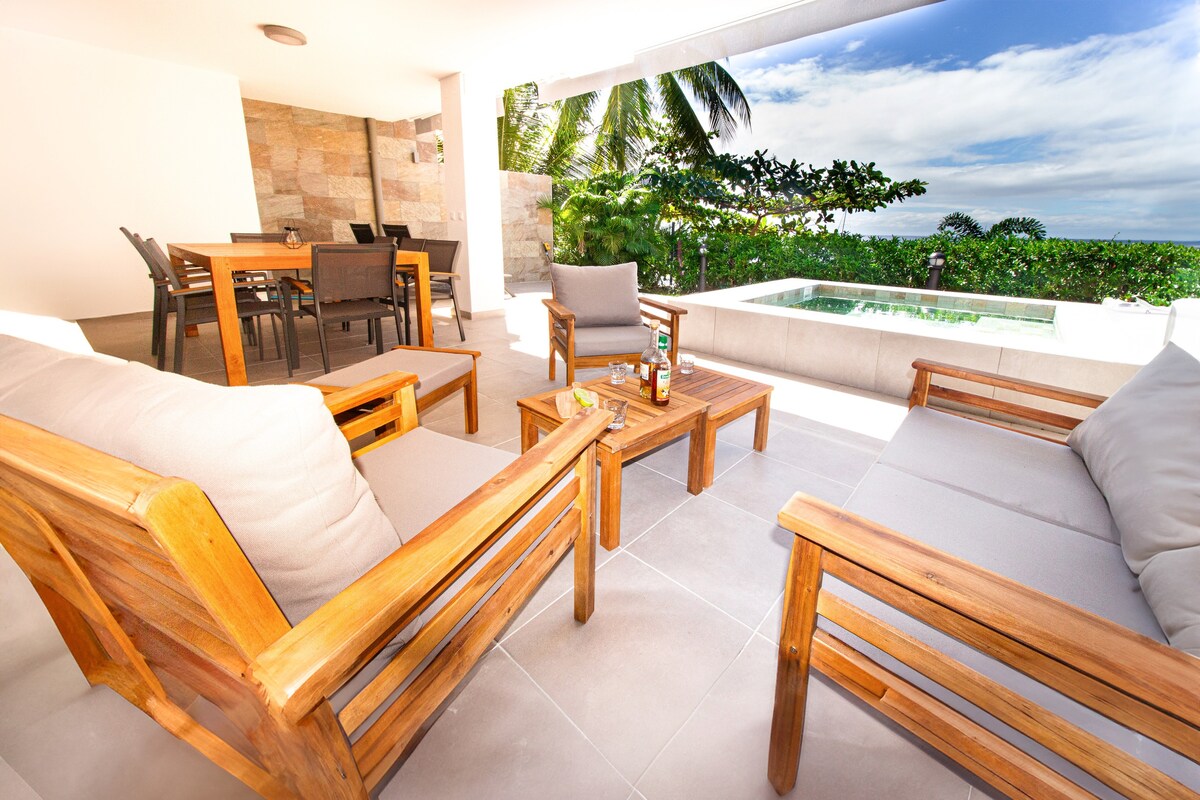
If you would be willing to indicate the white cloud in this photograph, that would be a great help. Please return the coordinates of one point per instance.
(853, 45)
(1092, 138)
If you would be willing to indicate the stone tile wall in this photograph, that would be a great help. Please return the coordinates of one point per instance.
(526, 227)
(311, 170)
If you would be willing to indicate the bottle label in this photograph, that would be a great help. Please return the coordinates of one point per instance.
(645, 371)
(662, 386)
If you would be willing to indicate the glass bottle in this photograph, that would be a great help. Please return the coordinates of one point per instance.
(660, 381)
(646, 362)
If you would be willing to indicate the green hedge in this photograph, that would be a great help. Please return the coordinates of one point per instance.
(1051, 269)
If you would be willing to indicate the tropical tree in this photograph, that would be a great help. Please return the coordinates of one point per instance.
(964, 226)
(608, 218)
(554, 135)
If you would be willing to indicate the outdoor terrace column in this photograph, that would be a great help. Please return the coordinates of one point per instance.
(472, 192)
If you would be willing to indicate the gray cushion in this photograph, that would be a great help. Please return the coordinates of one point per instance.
(598, 295)
(1141, 448)
(1077, 568)
(435, 370)
(609, 340)
(1035, 477)
(423, 474)
(269, 458)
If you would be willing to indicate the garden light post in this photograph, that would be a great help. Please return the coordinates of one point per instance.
(703, 267)
(937, 260)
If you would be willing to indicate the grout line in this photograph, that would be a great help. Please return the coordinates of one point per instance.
(509, 634)
(706, 602)
(565, 715)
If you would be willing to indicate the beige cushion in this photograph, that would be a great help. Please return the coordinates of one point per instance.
(608, 340)
(269, 458)
(435, 370)
(1141, 447)
(598, 295)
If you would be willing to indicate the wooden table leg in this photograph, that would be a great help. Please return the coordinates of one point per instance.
(228, 323)
(696, 455)
(424, 308)
(610, 500)
(529, 431)
(795, 653)
(585, 544)
(762, 419)
(708, 456)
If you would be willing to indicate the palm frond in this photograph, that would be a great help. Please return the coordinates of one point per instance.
(682, 117)
(716, 90)
(628, 115)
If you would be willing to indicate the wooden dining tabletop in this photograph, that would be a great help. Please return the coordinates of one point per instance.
(223, 259)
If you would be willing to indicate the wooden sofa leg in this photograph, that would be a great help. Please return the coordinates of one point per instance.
(585, 543)
(471, 402)
(570, 368)
(795, 654)
(553, 365)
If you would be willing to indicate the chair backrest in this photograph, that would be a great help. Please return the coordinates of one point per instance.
(399, 231)
(408, 243)
(363, 233)
(443, 254)
(276, 238)
(353, 271)
(160, 264)
(385, 240)
(140, 246)
(598, 296)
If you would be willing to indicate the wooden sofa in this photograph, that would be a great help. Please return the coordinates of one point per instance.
(325, 682)
(974, 591)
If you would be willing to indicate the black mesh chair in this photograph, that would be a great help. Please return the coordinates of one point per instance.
(399, 231)
(443, 258)
(257, 237)
(193, 304)
(350, 282)
(363, 233)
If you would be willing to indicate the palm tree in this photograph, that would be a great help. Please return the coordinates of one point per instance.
(624, 128)
(964, 226)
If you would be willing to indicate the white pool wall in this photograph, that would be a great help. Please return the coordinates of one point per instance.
(1096, 350)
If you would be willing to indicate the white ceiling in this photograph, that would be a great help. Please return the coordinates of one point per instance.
(374, 58)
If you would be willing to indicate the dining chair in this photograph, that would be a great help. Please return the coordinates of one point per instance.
(443, 259)
(350, 282)
(257, 237)
(193, 304)
(399, 231)
(363, 233)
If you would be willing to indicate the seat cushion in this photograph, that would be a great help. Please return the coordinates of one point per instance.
(434, 370)
(608, 339)
(423, 474)
(1062, 562)
(1032, 476)
(598, 296)
(270, 458)
(1141, 448)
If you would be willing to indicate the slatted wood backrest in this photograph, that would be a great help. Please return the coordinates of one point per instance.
(153, 598)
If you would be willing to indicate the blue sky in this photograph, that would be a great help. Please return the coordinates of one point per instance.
(1082, 113)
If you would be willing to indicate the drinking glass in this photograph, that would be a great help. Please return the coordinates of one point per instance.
(687, 365)
(619, 409)
(617, 371)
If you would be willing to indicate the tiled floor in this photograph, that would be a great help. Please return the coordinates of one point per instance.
(665, 693)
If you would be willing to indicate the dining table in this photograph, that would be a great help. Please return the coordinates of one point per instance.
(225, 259)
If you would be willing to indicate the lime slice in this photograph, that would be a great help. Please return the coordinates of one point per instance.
(581, 395)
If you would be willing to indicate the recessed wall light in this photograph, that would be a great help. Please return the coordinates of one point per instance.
(278, 33)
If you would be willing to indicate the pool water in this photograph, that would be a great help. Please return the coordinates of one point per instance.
(940, 310)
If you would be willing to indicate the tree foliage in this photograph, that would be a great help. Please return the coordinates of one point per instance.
(964, 226)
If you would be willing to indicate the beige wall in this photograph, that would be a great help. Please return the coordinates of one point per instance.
(311, 170)
(94, 139)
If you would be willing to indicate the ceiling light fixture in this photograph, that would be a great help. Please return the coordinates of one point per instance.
(290, 36)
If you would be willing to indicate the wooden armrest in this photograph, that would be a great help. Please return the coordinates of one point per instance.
(1099, 663)
(300, 285)
(456, 350)
(1014, 384)
(191, 279)
(188, 291)
(381, 388)
(558, 310)
(318, 656)
(661, 306)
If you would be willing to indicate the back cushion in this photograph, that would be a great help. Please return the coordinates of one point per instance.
(270, 459)
(598, 295)
(1142, 448)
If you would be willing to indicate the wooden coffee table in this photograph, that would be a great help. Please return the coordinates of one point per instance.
(646, 427)
(728, 398)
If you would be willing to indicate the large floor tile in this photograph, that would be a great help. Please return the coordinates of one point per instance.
(672, 459)
(731, 558)
(13, 786)
(502, 738)
(632, 675)
(498, 422)
(646, 497)
(559, 583)
(785, 420)
(762, 485)
(835, 460)
(848, 751)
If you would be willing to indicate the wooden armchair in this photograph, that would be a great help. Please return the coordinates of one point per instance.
(1145, 686)
(155, 599)
(597, 316)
